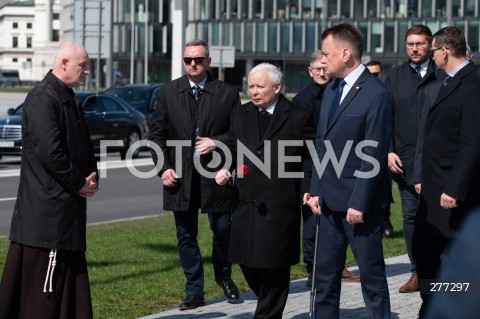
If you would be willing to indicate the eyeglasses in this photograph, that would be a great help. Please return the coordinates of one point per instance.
(432, 51)
(317, 70)
(411, 45)
(198, 60)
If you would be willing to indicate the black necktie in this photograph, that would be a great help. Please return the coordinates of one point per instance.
(418, 68)
(336, 100)
(196, 91)
(445, 81)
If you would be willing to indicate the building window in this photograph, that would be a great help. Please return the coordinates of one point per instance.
(29, 25)
(15, 42)
(14, 60)
(55, 35)
(15, 25)
(56, 16)
(29, 42)
(29, 60)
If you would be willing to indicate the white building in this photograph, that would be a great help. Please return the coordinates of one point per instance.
(29, 34)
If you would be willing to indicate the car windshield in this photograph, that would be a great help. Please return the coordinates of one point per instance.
(135, 97)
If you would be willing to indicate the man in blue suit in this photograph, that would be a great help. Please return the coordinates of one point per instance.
(350, 186)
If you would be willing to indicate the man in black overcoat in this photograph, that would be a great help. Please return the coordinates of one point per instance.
(449, 140)
(407, 82)
(45, 274)
(265, 238)
(195, 109)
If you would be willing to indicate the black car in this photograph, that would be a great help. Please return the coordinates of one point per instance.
(107, 118)
(142, 97)
(11, 132)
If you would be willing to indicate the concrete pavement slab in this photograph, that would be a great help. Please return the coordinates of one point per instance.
(403, 305)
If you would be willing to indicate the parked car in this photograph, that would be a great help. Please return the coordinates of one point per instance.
(107, 118)
(142, 97)
(111, 118)
(11, 132)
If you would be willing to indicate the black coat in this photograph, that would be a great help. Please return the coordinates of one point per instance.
(310, 97)
(57, 156)
(265, 229)
(176, 119)
(406, 88)
(451, 155)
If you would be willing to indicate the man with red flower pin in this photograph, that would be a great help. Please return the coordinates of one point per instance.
(265, 233)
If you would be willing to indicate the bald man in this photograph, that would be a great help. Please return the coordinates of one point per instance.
(46, 271)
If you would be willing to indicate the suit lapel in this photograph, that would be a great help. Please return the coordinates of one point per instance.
(454, 82)
(357, 86)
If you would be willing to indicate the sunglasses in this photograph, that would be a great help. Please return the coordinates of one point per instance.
(198, 60)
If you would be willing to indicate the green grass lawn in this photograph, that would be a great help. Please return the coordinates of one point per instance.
(135, 270)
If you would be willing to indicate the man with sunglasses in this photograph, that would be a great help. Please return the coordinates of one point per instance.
(406, 83)
(196, 108)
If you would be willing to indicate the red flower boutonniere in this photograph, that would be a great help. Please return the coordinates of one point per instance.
(306, 198)
(242, 170)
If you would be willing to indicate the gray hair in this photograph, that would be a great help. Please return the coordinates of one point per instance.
(274, 73)
(197, 42)
(316, 55)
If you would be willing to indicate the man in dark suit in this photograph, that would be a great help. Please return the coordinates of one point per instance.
(311, 97)
(350, 194)
(450, 153)
(196, 108)
(265, 238)
(407, 83)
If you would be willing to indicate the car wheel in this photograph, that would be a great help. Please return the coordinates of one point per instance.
(133, 137)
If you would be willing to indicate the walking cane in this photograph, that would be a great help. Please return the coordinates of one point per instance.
(311, 311)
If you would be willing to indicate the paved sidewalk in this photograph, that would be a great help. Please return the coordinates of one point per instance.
(404, 306)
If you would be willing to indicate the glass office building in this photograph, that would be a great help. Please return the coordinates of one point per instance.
(283, 32)
(286, 32)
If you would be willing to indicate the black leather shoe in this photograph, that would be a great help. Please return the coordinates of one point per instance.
(192, 302)
(229, 289)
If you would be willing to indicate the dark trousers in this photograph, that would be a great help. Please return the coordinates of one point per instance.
(308, 236)
(271, 288)
(429, 252)
(186, 223)
(366, 242)
(409, 198)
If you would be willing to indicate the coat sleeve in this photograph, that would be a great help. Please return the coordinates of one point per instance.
(44, 130)
(228, 138)
(159, 133)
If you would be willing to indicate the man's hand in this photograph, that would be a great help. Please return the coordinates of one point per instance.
(394, 163)
(90, 187)
(313, 203)
(170, 178)
(354, 216)
(204, 145)
(418, 188)
(448, 202)
(223, 176)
